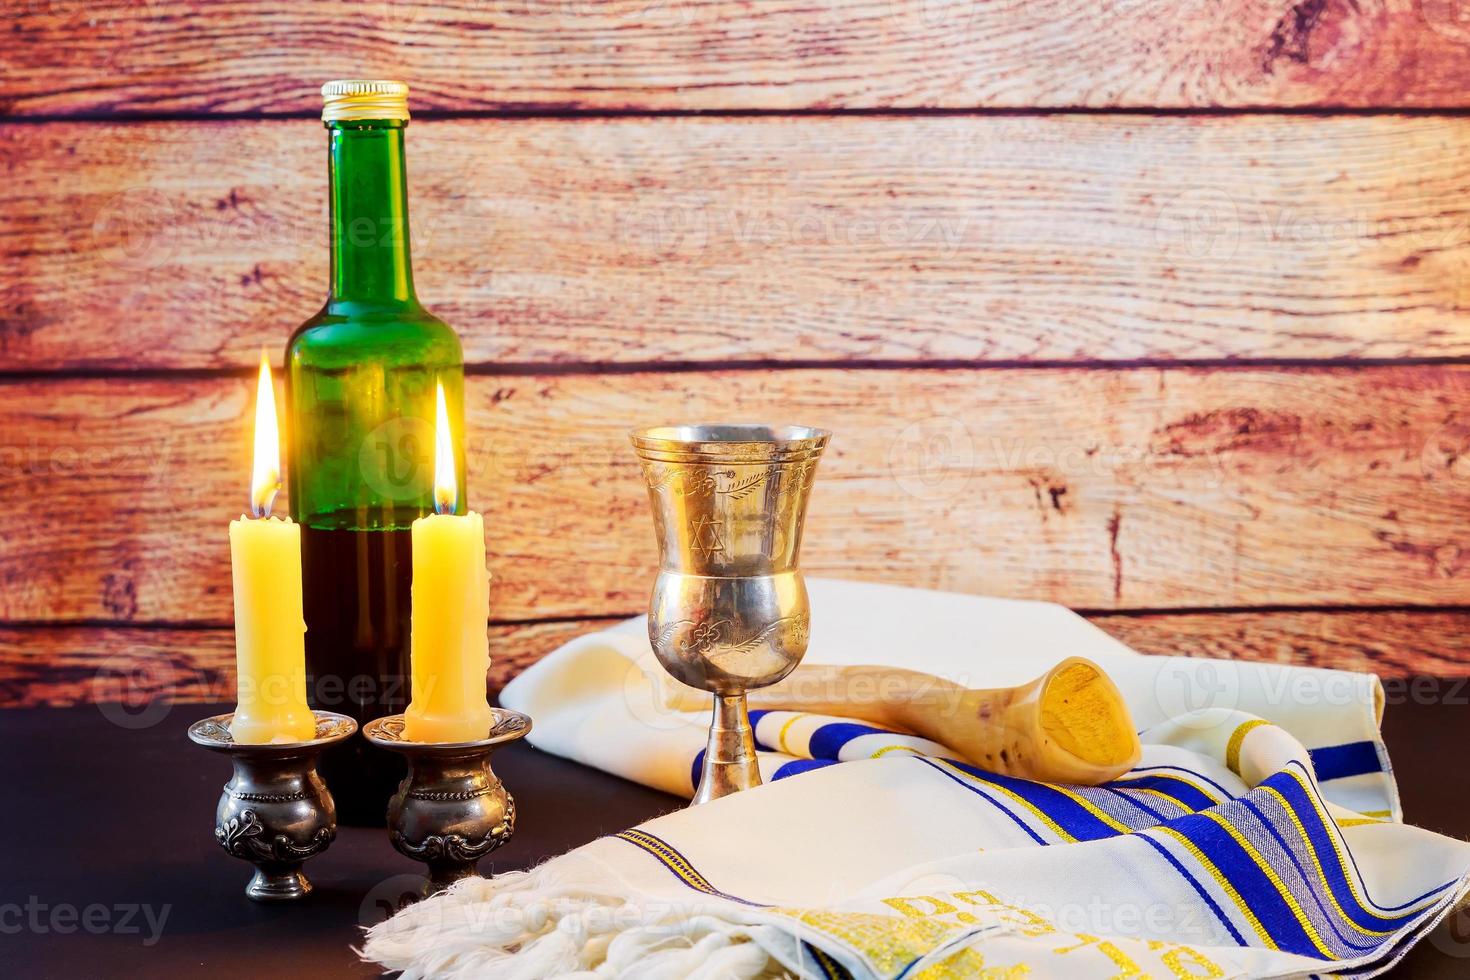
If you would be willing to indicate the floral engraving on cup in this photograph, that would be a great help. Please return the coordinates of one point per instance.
(701, 481)
(709, 639)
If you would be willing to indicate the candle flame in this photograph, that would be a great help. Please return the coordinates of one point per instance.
(446, 487)
(265, 475)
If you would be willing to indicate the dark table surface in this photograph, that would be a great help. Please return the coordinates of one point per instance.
(110, 868)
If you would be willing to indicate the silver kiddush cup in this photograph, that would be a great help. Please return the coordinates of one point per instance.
(729, 610)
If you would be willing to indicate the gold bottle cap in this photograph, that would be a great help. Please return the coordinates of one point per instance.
(356, 98)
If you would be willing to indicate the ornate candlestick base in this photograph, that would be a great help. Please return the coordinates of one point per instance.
(452, 809)
(275, 812)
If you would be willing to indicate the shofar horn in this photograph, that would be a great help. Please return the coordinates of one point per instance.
(1070, 725)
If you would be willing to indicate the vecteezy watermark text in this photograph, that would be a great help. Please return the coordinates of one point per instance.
(97, 918)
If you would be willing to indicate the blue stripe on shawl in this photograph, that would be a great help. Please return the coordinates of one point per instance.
(1361, 944)
(676, 863)
(1186, 795)
(1135, 800)
(831, 969)
(1352, 860)
(1071, 816)
(1198, 888)
(984, 796)
(796, 766)
(1321, 842)
(1250, 881)
(1188, 772)
(828, 740)
(1341, 761)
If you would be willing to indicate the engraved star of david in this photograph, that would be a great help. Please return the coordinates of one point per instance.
(707, 536)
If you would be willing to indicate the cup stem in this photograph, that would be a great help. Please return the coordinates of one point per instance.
(729, 758)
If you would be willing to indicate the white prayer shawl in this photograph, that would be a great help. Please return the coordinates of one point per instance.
(1259, 836)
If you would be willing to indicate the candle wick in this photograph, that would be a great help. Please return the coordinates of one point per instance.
(261, 504)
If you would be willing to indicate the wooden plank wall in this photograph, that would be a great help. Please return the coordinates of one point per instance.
(1163, 317)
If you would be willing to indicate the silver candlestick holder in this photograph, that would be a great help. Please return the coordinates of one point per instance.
(275, 812)
(452, 809)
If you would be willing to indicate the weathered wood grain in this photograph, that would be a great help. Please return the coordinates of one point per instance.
(1390, 643)
(1142, 488)
(1053, 238)
(134, 667)
(151, 56)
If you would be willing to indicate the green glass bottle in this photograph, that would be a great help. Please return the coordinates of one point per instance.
(361, 378)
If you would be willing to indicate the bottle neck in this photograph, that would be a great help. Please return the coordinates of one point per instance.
(369, 201)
